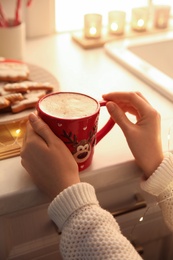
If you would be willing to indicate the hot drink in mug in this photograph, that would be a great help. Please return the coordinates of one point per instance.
(73, 117)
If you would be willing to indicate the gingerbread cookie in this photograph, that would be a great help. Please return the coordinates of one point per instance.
(25, 86)
(13, 71)
(17, 102)
(4, 103)
(8, 100)
(29, 101)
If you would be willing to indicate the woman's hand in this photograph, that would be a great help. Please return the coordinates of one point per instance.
(47, 159)
(143, 137)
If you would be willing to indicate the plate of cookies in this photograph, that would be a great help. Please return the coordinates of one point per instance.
(21, 86)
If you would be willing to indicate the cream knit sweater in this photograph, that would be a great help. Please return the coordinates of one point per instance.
(90, 232)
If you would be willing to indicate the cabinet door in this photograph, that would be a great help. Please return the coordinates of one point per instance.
(158, 249)
(151, 237)
(129, 203)
(28, 235)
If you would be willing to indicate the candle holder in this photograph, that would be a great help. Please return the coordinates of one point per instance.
(139, 20)
(92, 26)
(161, 16)
(116, 22)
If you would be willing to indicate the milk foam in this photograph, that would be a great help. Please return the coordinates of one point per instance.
(68, 105)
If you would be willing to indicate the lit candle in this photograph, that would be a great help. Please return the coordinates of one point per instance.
(116, 22)
(139, 20)
(161, 16)
(92, 26)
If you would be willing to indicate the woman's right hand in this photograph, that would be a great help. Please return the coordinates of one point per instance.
(47, 159)
(143, 136)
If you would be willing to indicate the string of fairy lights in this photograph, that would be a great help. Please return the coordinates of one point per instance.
(156, 204)
(13, 132)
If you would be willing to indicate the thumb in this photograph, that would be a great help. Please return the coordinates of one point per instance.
(118, 116)
(40, 127)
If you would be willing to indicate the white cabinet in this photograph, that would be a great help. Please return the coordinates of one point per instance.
(29, 234)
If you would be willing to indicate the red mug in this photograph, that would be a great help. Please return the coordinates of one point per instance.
(73, 117)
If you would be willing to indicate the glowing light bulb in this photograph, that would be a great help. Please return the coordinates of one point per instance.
(141, 219)
(18, 131)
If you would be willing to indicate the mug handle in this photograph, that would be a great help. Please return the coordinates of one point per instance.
(107, 127)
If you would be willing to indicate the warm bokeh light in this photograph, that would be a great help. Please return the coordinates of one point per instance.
(93, 30)
(18, 131)
(114, 26)
(140, 22)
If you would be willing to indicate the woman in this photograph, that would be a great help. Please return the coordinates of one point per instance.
(88, 231)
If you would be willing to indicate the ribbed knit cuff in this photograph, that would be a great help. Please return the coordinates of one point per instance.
(161, 178)
(70, 200)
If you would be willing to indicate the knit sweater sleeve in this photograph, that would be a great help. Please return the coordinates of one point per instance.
(160, 184)
(88, 231)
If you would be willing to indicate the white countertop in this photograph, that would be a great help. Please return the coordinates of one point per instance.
(94, 73)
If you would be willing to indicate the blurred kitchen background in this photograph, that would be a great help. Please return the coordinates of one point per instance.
(45, 17)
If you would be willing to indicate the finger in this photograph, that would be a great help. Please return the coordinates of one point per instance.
(139, 94)
(25, 136)
(124, 97)
(131, 99)
(118, 116)
(41, 128)
(129, 109)
(29, 136)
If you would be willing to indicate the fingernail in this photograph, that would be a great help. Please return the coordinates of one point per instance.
(110, 106)
(33, 117)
